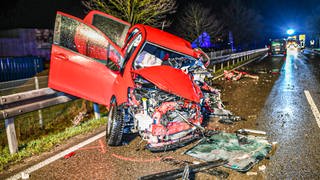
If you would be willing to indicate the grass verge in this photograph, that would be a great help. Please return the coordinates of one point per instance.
(46, 143)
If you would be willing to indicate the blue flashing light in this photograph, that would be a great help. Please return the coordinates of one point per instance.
(290, 31)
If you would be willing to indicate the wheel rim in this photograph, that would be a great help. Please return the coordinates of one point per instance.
(110, 119)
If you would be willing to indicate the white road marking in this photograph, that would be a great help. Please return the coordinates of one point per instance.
(57, 156)
(295, 66)
(313, 106)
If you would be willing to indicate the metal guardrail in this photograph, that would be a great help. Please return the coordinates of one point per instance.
(33, 100)
(21, 103)
(215, 54)
(232, 59)
(22, 85)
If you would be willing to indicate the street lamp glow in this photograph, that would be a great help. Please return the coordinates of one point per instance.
(290, 31)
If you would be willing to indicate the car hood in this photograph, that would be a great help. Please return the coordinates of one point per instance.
(172, 80)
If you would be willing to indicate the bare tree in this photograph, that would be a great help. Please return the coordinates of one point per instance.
(244, 23)
(196, 19)
(148, 12)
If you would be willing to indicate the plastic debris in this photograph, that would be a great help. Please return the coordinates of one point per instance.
(69, 155)
(186, 173)
(262, 168)
(79, 118)
(242, 152)
(181, 163)
(275, 71)
(230, 119)
(250, 131)
(251, 173)
(178, 173)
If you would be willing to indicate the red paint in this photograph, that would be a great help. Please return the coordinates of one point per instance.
(169, 41)
(103, 148)
(79, 74)
(171, 80)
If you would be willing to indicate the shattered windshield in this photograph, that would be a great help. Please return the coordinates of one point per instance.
(153, 55)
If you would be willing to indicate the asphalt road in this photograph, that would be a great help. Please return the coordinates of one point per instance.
(288, 119)
(281, 109)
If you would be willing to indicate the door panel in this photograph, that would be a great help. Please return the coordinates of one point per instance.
(114, 28)
(78, 61)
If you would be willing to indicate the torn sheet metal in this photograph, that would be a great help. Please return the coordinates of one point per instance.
(242, 152)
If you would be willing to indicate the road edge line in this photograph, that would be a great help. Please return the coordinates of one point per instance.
(313, 106)
(57, 156)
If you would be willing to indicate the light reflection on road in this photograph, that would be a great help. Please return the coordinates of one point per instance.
(288, 120)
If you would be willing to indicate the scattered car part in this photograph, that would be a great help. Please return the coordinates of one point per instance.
(236, 75)
(242, 154)
(250, 131)
(177, 173)
(181, 163)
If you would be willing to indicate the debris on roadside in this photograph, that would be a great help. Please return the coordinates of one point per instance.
(80, 117)
(69, 155)
(262, 168)
(184, 171)
(241, 150)
(181, 163)
(230, 119)
(251, 173)
(236, 75)
(275, 71)
(250, 131)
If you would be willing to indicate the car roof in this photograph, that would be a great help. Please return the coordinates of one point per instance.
(168, 40)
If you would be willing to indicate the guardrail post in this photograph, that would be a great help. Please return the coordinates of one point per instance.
(232, 61)
(11, 135)
(228, 63)
(214, 68)
(96, 110)
(36, 82)
(222, 65)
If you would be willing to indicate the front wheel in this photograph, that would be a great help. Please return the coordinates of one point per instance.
(115, 125)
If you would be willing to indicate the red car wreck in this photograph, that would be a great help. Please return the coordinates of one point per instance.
(151, 81)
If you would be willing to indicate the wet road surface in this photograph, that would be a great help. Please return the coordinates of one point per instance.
(288, 119)
(278, 106)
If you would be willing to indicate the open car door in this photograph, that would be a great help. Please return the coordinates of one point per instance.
(115, 29)
(84, 62)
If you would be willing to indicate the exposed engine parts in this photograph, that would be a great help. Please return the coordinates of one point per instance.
(168, 121)
(160, 116)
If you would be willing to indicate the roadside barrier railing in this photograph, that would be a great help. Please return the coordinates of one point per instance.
(221, 62)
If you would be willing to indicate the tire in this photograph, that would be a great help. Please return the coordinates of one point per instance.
(115, 125)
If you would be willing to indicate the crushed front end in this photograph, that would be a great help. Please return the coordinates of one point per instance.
(165, 120)
(170, 99)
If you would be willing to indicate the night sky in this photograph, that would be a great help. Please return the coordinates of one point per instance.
(278, 15)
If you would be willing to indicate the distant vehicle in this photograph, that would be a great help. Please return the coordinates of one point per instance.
(293, 45)
(277, 46)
